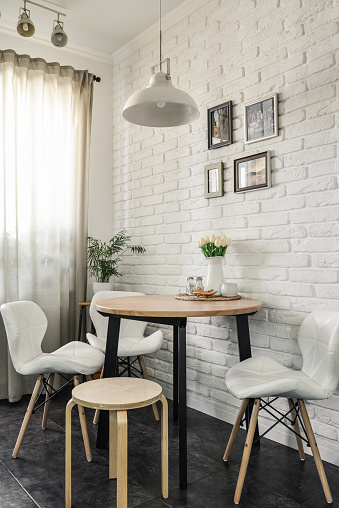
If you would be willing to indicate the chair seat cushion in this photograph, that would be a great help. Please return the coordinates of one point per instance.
(131, 346)
(262, 376)
(72, 358)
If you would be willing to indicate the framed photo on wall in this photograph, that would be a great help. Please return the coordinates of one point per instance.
(219, 121)
(261, 119)
(252, 172)
(214, 182)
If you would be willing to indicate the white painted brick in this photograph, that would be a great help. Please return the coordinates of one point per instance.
(328, 229)
(313, 185)
(325, 260)
(288, 289)
(327, 291)
(285, 232)
(287, 260)
(316, 245)
(323, 199)
(313, 275)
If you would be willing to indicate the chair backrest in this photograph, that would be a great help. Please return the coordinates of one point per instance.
(25, 325)
(128, 328)
(318, 339)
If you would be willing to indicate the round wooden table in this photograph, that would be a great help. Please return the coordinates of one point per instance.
(166, 309)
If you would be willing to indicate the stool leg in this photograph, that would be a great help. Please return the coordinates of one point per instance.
(48, 401)
(97, 411)
(27, 417)
(315, 451)
(83, 424)
(113, 444)
(164, 447)
(235, 429)
(68, 455)
(122, 459)
(146, 376)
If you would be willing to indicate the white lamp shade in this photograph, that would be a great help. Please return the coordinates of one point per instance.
(160, 105)
(59, 37)
(25, 26)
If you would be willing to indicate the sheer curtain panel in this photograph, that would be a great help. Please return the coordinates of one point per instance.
(45, 121)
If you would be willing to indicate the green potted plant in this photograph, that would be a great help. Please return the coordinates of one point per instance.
(103, 258)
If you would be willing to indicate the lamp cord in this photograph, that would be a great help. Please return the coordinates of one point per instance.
(160, 35)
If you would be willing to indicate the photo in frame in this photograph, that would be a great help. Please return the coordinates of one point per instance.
(213, 178)
(252, 172)
(219, 121)
(261, 119)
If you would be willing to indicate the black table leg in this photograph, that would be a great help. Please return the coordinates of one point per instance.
(244, 345)
(182, 409)
(175, 373)
(109, 371)
(82, 308)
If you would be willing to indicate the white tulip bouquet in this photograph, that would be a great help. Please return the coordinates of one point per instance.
(214, 246)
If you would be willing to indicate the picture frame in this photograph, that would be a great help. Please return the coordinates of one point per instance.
(214, 181)
(261, 119)
(252, 172)
(219, 121)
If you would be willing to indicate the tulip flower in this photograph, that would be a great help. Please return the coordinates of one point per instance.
(215, 245)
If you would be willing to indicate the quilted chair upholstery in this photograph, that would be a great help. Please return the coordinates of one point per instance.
(263, 376)
(132, 342)
(131, 338)
(26, 325)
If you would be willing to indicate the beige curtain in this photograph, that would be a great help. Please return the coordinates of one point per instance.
(45, 120)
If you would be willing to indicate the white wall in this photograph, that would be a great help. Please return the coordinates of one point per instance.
(285, 239)
(100, 180)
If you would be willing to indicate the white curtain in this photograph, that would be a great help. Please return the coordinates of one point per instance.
(45, 120)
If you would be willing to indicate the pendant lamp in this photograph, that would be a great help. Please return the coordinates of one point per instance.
(160, 104)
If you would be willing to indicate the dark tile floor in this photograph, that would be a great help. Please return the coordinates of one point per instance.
(275, 477)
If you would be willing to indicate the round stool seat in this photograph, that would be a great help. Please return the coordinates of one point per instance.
(117, 393)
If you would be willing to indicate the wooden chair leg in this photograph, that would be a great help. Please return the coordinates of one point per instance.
(297, 429)
(97, 411)
(164, 447)
(83, 424)
(47, 401)
(315, 451)
(113, 444)
(247, 451)
(122, 459)
(68, 455)
(27, 416)
(146, 376)
(235, 429)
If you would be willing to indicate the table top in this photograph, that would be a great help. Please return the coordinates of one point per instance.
(168, 306)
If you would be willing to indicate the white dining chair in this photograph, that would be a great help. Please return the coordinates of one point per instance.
(26, 325)
(132, 342)
(262, 376)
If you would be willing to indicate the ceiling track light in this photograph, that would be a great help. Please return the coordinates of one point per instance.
(25, 26)
(160, 104)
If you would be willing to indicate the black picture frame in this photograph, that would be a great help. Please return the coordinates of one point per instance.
(219, 121)
(252, 172)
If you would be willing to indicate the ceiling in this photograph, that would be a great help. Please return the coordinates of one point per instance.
(106, 25)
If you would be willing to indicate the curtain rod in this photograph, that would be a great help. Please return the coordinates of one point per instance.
(96, 78)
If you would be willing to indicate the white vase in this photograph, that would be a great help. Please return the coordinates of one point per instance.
(102, 286)
(215, 274)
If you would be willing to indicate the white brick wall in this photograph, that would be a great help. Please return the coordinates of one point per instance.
(285, 248)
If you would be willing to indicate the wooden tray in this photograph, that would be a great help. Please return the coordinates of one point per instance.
(193, 298)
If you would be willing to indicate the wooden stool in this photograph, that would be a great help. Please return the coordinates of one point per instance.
(116, 395)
